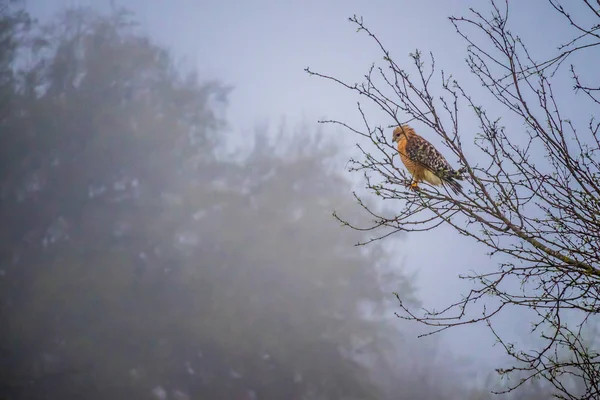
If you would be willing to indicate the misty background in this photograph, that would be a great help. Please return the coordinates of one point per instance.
(166, 204)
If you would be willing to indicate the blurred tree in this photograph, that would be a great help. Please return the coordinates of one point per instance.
(136, 262)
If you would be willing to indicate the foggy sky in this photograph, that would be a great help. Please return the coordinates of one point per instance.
(261, 47)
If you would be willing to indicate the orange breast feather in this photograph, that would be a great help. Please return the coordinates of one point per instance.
(414, 168)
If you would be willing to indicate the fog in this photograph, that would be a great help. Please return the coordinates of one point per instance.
(167, 198)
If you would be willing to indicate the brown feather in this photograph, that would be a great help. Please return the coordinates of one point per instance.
(423, 161)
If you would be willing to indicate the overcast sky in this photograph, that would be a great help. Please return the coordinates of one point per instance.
(261, 47)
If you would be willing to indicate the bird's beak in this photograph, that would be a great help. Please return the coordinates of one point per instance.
(395, 139)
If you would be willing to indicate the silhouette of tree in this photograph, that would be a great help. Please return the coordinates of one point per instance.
(532, 186)
(135, 261)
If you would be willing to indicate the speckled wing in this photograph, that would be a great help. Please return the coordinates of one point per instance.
(421, 151)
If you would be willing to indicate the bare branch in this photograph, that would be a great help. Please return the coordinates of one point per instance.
(532, 196)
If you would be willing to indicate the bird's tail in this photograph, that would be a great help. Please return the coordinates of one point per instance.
(454, 185)
(451, 179)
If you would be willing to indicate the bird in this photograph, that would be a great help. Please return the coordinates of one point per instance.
(424, 161)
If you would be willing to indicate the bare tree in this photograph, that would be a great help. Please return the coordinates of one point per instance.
(532, 192)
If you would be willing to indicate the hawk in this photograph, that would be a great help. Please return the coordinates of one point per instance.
(423, 161)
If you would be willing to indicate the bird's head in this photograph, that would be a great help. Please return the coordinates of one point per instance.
(402, 130)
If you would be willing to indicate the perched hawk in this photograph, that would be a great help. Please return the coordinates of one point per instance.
(423, 161)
